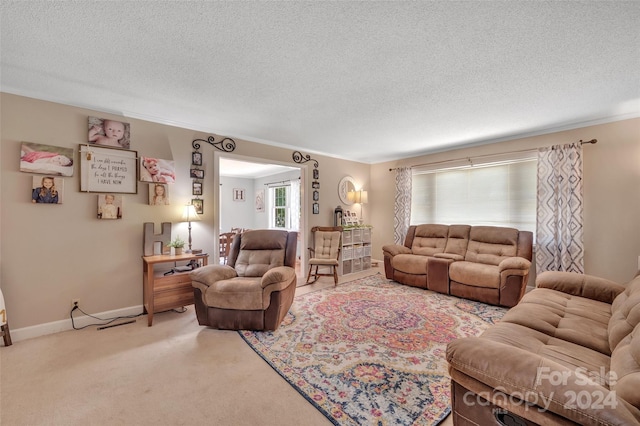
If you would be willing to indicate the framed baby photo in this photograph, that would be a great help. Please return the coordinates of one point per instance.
(197, 174)
(46, 159)
(196, 158)
(108, 170)
(157, 170)
(196, 188)
(198, 204)
(158, 194)
(47, 190)
(110, 133)
(109, 206)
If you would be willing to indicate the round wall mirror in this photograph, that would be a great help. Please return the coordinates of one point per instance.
(346, 185)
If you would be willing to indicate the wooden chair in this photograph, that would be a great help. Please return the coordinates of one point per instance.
(225, 246)
(325, 252)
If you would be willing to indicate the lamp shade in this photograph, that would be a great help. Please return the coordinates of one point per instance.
(189, 213)
(358, 197)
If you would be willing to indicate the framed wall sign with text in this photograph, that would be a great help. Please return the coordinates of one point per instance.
(108, 170)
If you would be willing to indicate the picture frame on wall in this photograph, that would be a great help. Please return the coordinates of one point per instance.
(196, 158)
(315, 185)
(316, 174)
(316, 208)
(260, 200)
(46, 159)
(316, 195)
(239, 194)
(157, 170)
(47, 190)
(158, 194)
(109, 206)
(107, 132)
(198, 203)
(196, 188)
(197, 173)
(108, 170)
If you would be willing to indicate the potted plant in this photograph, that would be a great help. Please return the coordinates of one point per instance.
(177, 244)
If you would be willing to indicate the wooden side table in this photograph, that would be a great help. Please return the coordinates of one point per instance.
(163, 292)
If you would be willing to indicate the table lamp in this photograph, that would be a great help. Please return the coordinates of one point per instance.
(189, 214)
(359, 197)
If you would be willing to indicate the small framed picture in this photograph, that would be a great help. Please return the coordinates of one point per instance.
(196, 158)
(198, 203)
(111, 133)
(315, 184)
(197, 173)
(47, 190)
(316, 195)
(158, 194)
(316, 208)
(196, 188)
(109, 206)
(238, 194)
(260, 200)
(316, 174)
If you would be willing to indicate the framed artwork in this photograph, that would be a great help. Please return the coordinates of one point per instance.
(107, 132)
(316, 208)
(157, 170)
(316, 174)
(197, 173)
(196, 158)
(260, 200)
(108, 170)
(46, 159)
(196, 188)
(198, 203)
(47, 190)
(315, 185)
(158, 194)
(109, 206)
(316, 195)
(238, 194)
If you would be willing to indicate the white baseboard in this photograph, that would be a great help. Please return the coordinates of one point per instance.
(24, 333)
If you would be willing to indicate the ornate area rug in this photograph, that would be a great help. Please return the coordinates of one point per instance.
(372, 351)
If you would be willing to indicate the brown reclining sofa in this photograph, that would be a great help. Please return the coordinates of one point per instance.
(567, 354)
(485, 263)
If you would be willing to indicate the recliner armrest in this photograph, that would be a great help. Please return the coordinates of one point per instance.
(279, 277)
(209, 274)
(583, 285)
(395, 249)
(519, 265)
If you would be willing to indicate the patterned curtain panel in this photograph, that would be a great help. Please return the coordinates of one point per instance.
(559, 227)
(402, 209)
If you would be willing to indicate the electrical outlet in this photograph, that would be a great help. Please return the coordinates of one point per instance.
(74, 303)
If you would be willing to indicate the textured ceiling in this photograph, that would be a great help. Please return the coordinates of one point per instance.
(368, 81)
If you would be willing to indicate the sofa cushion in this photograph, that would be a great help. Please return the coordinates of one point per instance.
(491, 244)
(625, 313)
(410, 264)
(237, 293)
(563, 316)
(430, 239)
(475, 274)
(458, 240)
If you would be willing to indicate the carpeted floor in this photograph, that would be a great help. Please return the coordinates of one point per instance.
(371, 351)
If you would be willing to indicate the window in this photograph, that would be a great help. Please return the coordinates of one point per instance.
(281, 217)
(493, 193)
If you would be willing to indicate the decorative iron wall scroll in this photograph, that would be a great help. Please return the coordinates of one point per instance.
(300, 158)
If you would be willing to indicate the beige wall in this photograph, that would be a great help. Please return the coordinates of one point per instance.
(50, 254)
(611, 192)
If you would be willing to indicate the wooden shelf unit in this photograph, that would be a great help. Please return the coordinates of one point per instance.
(163, 292)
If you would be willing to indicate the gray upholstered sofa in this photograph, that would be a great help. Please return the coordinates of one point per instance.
(567, 354)
(485, 263)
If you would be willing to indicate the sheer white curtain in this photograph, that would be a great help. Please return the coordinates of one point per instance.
(294, 205)
(559, 223)
(402, 207)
